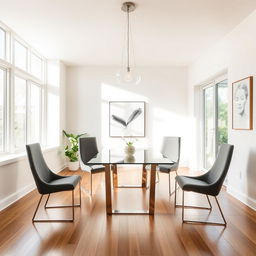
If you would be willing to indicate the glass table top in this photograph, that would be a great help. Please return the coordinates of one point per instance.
(118, 156)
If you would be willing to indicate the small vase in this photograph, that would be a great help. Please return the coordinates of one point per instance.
(129, 159)
(129, 150)
(73, 166)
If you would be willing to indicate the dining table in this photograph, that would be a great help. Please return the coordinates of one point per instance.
(147, 158)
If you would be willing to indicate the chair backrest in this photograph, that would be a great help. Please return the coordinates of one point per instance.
(39, 168)
(88, 148)
(171, 148)
(217, 174)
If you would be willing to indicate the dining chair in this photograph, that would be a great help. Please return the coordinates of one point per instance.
(88, 149)
(48, 182)
(171, 150)
(208, 184)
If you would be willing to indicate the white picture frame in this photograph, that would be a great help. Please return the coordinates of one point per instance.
(127, 119)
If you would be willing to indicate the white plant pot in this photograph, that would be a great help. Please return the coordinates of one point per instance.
(129, 150)
(73, 166)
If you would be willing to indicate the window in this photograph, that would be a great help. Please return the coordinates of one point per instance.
(2, 43)
(209, 123)
(35, 113)
(215, 98)
(20, 55)
(36, 66)
(23, 96)
(20, 92)
(222, 112)
(2, 93)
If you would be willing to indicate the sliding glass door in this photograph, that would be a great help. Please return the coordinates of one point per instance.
(215, 118)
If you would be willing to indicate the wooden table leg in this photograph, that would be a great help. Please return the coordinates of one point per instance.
(144, 176)
(108, 189)
(115, 177)
(152, 189)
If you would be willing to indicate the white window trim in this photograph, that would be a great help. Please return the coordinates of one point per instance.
(12, 71)
(209, 83)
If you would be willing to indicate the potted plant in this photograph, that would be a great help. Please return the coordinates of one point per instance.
(129, 148)
(71, 151)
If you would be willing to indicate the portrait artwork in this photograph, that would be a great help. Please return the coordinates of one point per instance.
(242, 105)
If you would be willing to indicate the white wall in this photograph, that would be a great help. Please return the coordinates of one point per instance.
(89, 90)
(236, 53)
(16, 178)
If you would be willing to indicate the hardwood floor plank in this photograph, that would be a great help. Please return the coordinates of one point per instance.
(96, 233)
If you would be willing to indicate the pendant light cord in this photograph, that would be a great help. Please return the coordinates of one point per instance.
(128, 38)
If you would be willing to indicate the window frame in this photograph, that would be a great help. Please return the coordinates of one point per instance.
(22, 43)
(4, 108)
(12, 71)
(211, 83)
(5, 44)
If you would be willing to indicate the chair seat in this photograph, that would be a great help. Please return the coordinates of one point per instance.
(63, 184)
(97, 168)
(162, 167)
(165, 167)
(193, 184)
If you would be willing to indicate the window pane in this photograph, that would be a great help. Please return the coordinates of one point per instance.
(2, 81)
(20, 55)
(35, 102)
(19, 113)
(36, 66)
(209, 124)
(2, 44)
(222, 112)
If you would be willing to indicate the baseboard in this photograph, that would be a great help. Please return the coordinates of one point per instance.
(242, 197)
(4, 203)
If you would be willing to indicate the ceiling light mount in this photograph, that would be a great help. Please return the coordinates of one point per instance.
(127, 74)
(128, 7)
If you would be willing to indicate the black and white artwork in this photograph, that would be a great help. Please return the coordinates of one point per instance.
(127, 119)
(242, 104)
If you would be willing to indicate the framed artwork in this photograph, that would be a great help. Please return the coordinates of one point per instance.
(242, 104)
(127, 119)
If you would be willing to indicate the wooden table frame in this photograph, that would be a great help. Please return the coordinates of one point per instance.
(151, 209)
(115, 178)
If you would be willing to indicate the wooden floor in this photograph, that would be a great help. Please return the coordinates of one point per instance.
(94, 233)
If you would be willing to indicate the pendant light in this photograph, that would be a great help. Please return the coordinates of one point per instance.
(127, 74)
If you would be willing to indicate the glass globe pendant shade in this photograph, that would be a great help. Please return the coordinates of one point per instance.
(127, 76)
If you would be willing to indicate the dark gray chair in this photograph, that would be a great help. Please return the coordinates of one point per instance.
(208, 184)
(88, 149)
(48, 182)
(171, 150)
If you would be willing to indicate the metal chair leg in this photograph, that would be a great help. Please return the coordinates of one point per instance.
(169, 184)
(182, 205)
(64, 206)
(190, 206)
(33, 219)
(170, 191)
(157, 181)
(59, 220)
(203, 222)
(209, 202)
(222, 215)
(175, 194)
(91, 182)
(80, 193)
(45, 205)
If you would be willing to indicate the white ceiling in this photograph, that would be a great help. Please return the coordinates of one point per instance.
(91, 32)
